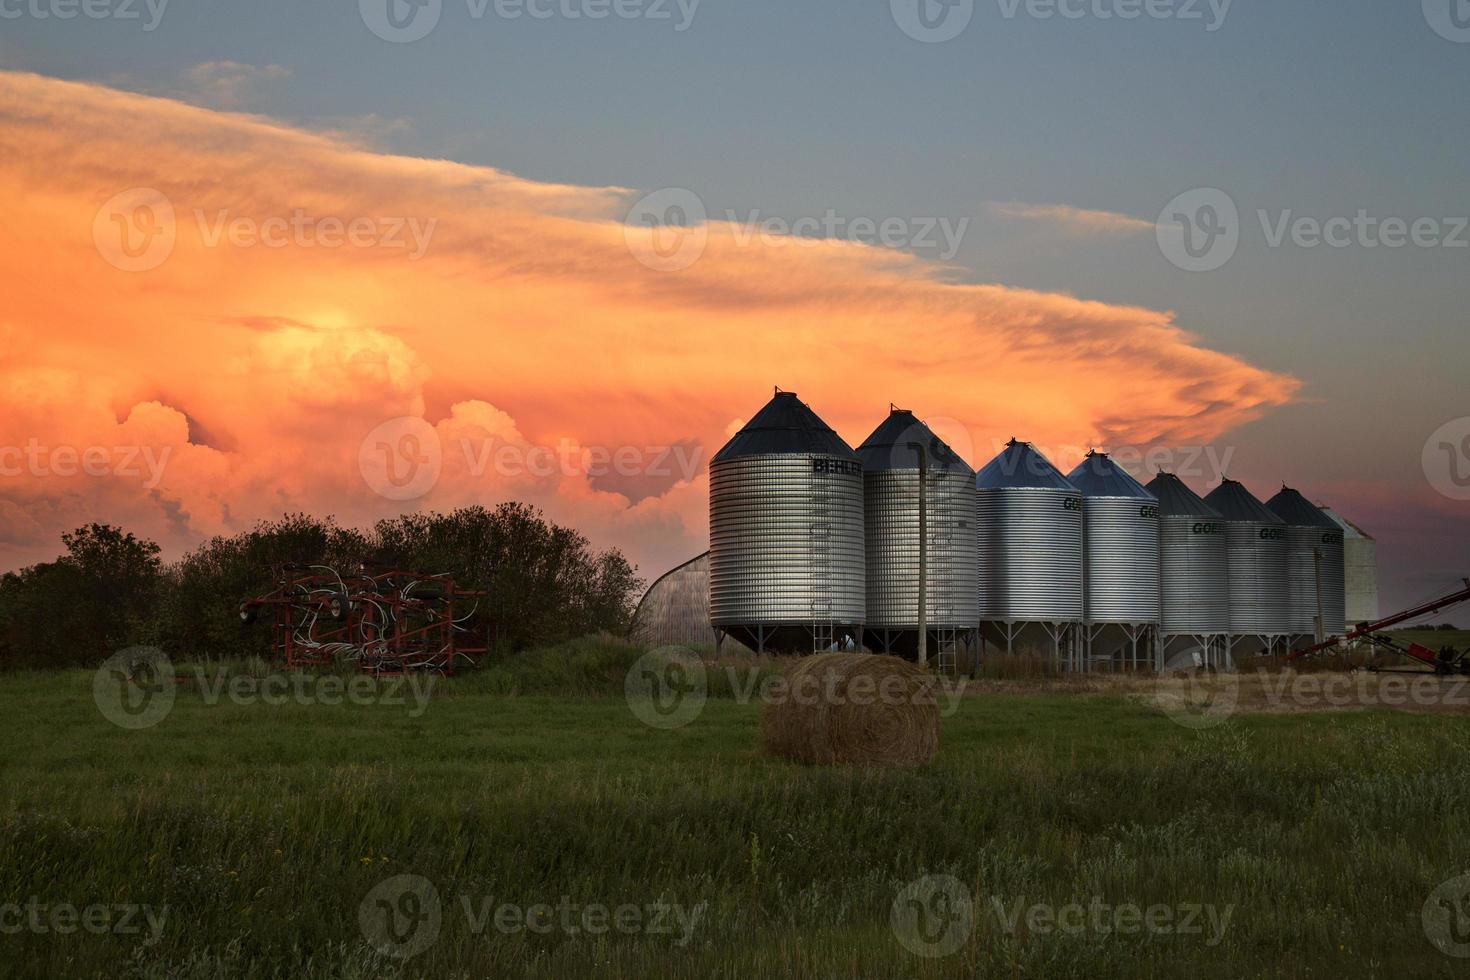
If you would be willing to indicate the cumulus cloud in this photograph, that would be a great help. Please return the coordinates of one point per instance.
(268, 341)
(1077, 222)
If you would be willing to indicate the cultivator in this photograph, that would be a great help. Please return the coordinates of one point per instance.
(384, 622)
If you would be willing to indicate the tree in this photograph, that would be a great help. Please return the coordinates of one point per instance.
(99, 597)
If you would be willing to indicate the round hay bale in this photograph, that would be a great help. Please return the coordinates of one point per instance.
(858, 709)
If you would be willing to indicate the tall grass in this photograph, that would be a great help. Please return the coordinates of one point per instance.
(263, 828)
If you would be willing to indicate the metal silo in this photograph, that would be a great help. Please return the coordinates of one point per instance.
(1120, 534)
(786, 534)
(1360, 558)
(1256, 539)
(675, 609)
(1314, 543)
(891, 459)
(1194, 574)
(1029, 526)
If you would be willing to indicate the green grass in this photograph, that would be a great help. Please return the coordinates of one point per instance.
(1434, 639)
(263, 828)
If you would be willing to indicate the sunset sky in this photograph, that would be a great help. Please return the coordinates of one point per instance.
(247, 249)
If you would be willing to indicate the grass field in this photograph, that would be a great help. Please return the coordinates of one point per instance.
(1284, 844)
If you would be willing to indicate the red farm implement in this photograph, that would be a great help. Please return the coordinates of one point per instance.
(384, 622)
(1445, 661)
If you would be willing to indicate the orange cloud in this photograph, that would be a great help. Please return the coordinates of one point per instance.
(1080, 222)
(308, 289)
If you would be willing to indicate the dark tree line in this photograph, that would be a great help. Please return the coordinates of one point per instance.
(111, 590)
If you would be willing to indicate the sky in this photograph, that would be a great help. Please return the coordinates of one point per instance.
(362, 257)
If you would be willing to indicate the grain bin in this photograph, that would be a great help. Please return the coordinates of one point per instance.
(1360, 559)
(675, 609)
(1029, 527)
(1120, 522)
(1256, 540)
(1311, 537)
(891, 462)
(786, 534)
(1193, 574)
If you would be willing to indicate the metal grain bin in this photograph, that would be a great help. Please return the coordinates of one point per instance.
(786, 533)
(1029, 524)
(1256, 539)
(675, 609)
(1194, 562)
(1120, 533)
(1360, 558)
(890, 458)
(1310, 533)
